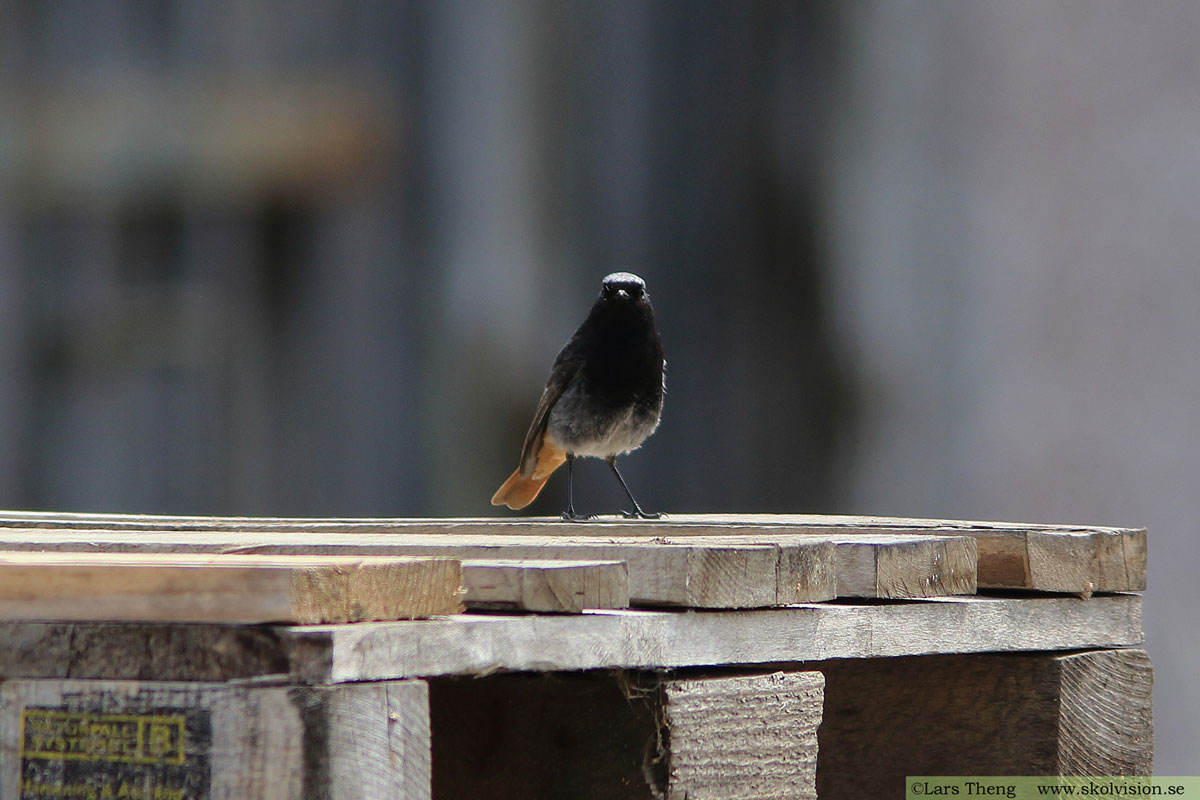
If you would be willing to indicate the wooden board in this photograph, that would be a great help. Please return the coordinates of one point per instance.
(745, 737)
(546, 586)
(892, 566)
(706, 572)
(709, 567)
(1075, 559)
(478, 644)
(202, 741)
(226, 588)
(1029, 714)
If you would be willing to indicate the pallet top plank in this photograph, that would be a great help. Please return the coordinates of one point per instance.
(1036, 556)
(244, 589)
(709, 572)
(1042, 557)
(709, 567)
(817, 522)
(526, 585)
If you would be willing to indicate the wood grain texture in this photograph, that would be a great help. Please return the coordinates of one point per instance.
(1011, 555)
(700, 572)
(225, 588)
(646, 639)
(376, 741)
(1002, 714)
(720, 567)
(353, 742)
(1106, 720)
(743, 737)
(895, 566)
(476, 644)
(566, 587)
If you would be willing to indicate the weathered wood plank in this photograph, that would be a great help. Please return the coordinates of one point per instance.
(1050, 558)
(1023, 714)
(665, 639)
(744, 737)
(546, 586)
(184, 740)
(1011, 555)
(225, 588)
(895, 566)
(707, 572)
(478, 644)
(542, 525)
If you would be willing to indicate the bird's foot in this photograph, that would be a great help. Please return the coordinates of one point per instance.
(639, 514)
(571, 516)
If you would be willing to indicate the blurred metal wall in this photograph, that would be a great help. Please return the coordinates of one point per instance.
(1016, 270)
(316, 258)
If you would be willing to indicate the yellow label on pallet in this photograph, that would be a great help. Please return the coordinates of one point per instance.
(128, 738)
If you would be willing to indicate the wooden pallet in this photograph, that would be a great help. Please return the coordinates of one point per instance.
(696, 657)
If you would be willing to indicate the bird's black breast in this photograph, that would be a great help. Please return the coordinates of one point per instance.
(614, 396)
(621, 362)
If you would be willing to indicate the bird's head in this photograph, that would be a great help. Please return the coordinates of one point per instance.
(623, 286)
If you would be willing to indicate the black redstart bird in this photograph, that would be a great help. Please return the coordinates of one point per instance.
(603, 399)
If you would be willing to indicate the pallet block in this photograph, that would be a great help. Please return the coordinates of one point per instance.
(748, 737)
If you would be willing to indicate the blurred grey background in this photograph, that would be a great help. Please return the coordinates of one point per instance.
(908, 258)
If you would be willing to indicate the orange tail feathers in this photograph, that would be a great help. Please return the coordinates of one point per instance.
(518, 492)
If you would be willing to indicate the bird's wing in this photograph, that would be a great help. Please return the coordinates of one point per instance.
(561, 374)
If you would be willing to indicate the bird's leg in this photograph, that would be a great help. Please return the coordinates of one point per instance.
(570, 514)
(637, 512)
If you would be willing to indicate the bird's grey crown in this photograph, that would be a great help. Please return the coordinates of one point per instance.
(620, 278)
